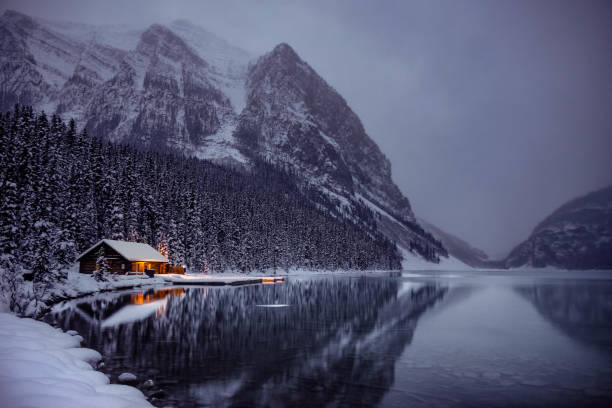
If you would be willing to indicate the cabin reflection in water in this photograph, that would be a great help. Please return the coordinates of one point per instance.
(109, 311)
(155, 295)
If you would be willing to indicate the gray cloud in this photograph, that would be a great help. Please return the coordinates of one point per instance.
(492, 113)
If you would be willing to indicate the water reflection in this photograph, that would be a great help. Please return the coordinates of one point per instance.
(112, 310)
(335, 343)
(582, 311)
(150, 296)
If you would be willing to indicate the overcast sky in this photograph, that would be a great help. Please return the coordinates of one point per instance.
(493, 113)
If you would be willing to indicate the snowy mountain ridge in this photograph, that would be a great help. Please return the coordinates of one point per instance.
(460, 249)
(578, 235)
(180, 87)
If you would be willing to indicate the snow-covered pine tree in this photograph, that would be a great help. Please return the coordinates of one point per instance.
(11, 272)
(102, 272)
(116, 224)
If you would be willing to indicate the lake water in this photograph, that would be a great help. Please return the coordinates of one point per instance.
(418, 339)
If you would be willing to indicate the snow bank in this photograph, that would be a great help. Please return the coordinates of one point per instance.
(41, 366)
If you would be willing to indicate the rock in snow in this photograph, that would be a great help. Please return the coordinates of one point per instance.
(128, 378)
(41, 366)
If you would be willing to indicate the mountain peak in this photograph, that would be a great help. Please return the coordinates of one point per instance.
(158, 38)
(284, 47)
(284, 59)
(158, 29)
(14, 14)
(21, 19)
(284, 50)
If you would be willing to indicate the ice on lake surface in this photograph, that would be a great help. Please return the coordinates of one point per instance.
(490, 339)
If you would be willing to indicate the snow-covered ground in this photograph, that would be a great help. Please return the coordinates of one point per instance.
(78, 285)
(41, 366)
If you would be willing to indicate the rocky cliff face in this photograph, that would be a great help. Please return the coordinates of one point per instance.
(161, 96)
(576, 236)
(179, 87)
(293, 115)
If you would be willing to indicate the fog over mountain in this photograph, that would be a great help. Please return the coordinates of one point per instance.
(492, 114)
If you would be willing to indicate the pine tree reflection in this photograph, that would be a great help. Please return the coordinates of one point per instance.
(336, 343)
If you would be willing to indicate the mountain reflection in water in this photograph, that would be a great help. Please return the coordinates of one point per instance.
(335, 343)
(582, 312)
(466, 338)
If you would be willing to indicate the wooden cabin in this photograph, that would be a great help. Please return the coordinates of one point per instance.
(123, 257)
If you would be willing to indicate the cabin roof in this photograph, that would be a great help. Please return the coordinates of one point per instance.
(131, 251)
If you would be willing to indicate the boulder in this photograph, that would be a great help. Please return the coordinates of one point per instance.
(127, 378)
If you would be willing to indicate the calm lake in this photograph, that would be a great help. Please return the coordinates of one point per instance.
(410, 339)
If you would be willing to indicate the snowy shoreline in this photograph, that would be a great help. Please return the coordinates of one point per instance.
(80, 285)
(42, 366)
(77, 285)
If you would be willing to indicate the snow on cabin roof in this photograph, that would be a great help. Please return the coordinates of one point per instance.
(131, 251)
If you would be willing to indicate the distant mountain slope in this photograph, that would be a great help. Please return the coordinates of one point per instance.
(181, 88)
(459, 248)
(576, 236)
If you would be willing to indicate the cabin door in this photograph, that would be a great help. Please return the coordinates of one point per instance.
(137, 266)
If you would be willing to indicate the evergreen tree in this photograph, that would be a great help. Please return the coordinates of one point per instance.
(102, 271)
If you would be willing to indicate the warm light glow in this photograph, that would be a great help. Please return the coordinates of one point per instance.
(162, 249)
(271, 280)
(141, 298)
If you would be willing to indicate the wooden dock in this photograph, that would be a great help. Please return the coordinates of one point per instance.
(212, 280)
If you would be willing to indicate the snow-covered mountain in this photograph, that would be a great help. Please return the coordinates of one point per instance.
(180, 87)
(459, 248)
(578, 235)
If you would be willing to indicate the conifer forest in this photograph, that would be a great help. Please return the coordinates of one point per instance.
(64, 190)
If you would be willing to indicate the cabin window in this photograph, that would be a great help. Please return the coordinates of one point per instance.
(123, 266)
(137, 266)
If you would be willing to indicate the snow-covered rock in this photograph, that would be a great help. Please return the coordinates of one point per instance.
(127, 378)
(41, 366)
